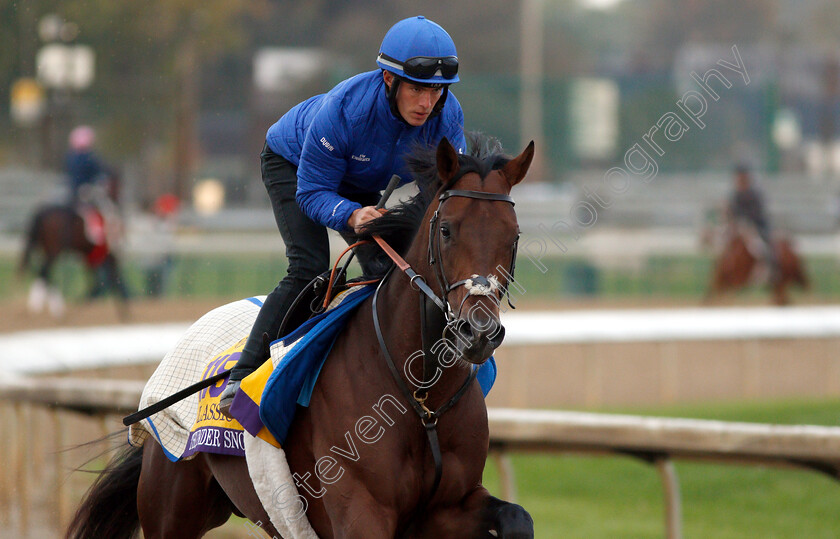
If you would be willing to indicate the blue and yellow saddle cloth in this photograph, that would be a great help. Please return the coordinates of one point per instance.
(212, 432)
(266, 402)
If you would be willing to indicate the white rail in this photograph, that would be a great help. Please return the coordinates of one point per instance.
(62, 350)
(655, 440)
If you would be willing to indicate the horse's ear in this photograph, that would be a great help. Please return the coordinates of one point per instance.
(516, 168)
(447, 160)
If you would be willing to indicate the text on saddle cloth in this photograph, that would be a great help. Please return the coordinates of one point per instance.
(212, 432)
(207, 340)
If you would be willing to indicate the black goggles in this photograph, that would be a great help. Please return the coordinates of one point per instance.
(425, 67)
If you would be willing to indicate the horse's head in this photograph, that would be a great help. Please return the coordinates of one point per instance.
(472, 239)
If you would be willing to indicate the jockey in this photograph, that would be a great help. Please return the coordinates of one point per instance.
(747, 203)
(82, 166)
(325, 161)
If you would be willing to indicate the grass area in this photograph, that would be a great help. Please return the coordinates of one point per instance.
(188, 276)
(235, 277)
(620, 497)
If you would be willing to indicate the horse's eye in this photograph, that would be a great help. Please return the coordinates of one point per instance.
(445, 232)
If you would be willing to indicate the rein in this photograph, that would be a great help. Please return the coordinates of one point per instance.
(429, 418)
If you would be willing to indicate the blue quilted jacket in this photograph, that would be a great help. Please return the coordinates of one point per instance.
(347, 141)
(82, 168)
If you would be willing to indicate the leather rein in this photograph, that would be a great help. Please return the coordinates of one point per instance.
(429, 303)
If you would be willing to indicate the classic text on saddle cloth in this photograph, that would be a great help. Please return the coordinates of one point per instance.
(212, 432)
(206, 341)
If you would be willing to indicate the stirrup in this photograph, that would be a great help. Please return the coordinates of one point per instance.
(226, 398)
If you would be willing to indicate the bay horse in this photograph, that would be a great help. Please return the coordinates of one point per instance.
(56, 229)
(459, 235)
(736, 265)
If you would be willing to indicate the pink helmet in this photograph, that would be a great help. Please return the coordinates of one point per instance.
(82, 138)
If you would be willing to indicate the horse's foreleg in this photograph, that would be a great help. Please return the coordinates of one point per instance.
(364, 521)
(780, 296)
(42, 293)
(38, 292)
(479, 515)
(114, 281)
(356, 515)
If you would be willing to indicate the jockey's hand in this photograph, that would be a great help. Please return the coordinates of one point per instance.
(361, 216)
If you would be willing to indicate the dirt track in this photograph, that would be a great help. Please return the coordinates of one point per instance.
(104, 312)
(15, 316)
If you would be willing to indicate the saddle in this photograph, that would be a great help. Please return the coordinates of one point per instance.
(308, 303)
(315, 297)
(96, 232)
(94, 224)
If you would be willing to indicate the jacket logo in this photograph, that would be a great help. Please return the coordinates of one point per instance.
(335, 209)
(326, 144)
(361, 157)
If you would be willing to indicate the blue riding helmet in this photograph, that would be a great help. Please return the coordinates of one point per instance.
(421, 51)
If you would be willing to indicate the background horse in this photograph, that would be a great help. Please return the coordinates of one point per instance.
(385, 487)
(739, 262)
(57, 229)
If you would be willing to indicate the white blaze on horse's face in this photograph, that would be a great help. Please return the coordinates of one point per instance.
(479, 245)
(476, 240)
(476, 287)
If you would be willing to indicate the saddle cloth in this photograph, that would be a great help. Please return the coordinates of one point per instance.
(96, 233)
(203, 350)
(760, 250)
(195, 424)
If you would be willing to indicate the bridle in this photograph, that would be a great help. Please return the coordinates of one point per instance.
(484, 283)
(480, 285)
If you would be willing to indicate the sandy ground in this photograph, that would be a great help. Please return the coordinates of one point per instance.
(15, 317)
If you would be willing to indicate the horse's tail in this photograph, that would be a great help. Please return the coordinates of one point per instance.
(109, 509)
(31, 240)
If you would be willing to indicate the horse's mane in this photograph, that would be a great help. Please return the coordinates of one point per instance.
(399, 226)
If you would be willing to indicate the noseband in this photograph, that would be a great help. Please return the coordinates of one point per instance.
(476, 284)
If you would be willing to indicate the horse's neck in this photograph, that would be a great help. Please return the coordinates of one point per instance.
(399, 311)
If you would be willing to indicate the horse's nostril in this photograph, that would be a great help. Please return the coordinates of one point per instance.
(492, 330)
(466, 330)
(499, 336)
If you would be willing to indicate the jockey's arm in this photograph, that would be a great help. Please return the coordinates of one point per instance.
(322, 167)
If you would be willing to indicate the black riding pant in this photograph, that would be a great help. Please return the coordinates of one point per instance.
(307, 251)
